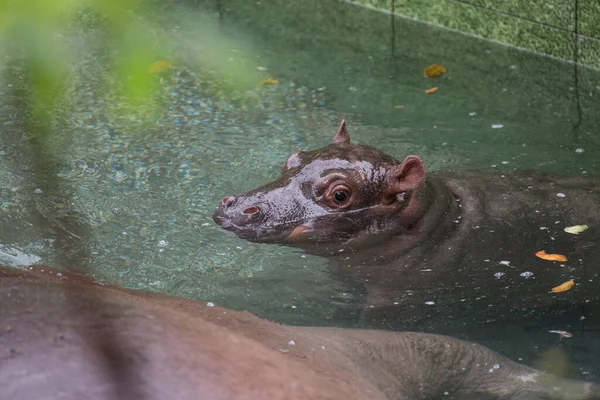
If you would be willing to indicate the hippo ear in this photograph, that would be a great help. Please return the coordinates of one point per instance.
(408, 175)
(342, 136)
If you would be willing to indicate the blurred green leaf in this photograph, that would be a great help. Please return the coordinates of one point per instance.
(40, 34)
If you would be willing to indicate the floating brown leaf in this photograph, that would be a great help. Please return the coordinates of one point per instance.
(159, 66)
(432, 90)
(550, 257)
(434, 71)
(268, 81)
(564, 286)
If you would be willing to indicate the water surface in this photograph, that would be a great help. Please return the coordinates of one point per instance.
(148, 191)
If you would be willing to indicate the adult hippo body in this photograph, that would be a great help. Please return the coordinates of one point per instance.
(432, 250)
(64, 337)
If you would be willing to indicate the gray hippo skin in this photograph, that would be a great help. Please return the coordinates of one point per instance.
(64, 337)
(429, 247)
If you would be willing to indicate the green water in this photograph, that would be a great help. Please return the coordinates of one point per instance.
(148, 192)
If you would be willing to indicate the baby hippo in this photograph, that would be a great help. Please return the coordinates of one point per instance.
(64, 337)
(425, 245)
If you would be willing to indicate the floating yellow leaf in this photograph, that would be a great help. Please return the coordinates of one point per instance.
(550, 257)
(398, 107)
(434, 71)
(563, 287)
(159, 66)
(576, 229)
(432, 90)
(268, 81)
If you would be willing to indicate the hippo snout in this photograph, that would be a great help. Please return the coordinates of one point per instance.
(235, 212)
(264, 216)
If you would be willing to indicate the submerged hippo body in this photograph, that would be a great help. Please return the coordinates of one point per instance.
(442, 247)
(64, 337)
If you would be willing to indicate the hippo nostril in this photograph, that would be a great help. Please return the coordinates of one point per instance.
(251, 210)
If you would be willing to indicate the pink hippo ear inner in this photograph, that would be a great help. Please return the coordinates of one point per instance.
(342, 136)
(407, 176)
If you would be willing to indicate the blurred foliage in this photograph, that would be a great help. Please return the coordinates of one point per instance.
(72, 64)
(36, 31)
(46, 38)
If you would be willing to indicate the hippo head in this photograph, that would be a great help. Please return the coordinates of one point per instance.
(341, 196)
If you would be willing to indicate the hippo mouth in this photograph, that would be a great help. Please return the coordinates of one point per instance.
(259, 233)
(330, 229)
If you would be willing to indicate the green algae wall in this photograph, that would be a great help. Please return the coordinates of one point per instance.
(566, 29)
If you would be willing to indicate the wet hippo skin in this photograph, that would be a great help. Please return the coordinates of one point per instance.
(432, 249)
(64, 337)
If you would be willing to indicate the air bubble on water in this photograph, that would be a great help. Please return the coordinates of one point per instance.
(494, 367)
(210, 304)
(526, 274)
(499, 275)
(163, 243)
(561, 195)
(497, 126)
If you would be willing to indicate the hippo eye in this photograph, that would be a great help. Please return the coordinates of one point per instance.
(340, 196)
